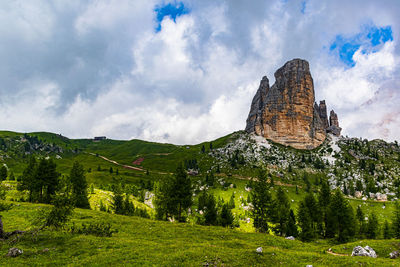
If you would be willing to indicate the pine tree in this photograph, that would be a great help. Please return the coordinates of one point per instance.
(182, 192)
(226, 218)
(46, 177)
(372, 227)
(309, 217)
(203, 149)
(128, 207)
(3, 173)
(163, 201)
(210, 211)
(28, 179)
(324, 198)
(361, 222)
(174, 196)
(111, 170)
(12, 176)
(340, 218)
(291, 229)
(232, 201)
(261, 200)
(307, 232)
(117, 204)
(79, 186)
(387, 234)
(396, 220)
(280, 211)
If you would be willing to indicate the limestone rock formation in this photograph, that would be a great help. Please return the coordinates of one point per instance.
(323, 114)
(286, 113)
(334, 124)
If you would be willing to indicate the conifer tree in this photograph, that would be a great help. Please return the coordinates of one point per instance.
(163, 201)
(372, 226)
(324, 197)
(291, 229)
(280, 210)
(117, 204)
(174, 195)
(181, 192)
(307, 232)
(28, 179)
(361, 222)
(232, 201)
(396, 220)
(226, 218)
(46, 180)
(3, 173)
(340, 218)
(210, 213)
(387, 234)
(309, 217)
(261, 200)
(79, 186)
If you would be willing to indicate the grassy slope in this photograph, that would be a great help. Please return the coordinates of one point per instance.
(146, 242)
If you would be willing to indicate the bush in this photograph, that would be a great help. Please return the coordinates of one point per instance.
(96, 229)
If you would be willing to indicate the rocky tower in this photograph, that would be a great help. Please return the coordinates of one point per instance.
(286, 112)
(334, 124)
(323, 114)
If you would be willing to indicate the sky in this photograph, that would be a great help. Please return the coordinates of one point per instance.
(185, 72)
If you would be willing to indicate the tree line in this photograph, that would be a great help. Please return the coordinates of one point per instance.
(326, 214)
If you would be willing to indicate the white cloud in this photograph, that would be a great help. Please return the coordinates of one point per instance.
(102, 69)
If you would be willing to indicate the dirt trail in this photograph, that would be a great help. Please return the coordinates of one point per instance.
(126, 166)
(117, 163)
(336, 254)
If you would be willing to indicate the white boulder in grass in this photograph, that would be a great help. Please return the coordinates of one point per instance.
(366, 251)
(14, 252)
(259, 250)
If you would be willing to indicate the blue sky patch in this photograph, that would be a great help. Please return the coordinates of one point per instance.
(172, 10)
(370, 39)
(303, 7)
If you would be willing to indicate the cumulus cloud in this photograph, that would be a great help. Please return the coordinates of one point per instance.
(118, 68)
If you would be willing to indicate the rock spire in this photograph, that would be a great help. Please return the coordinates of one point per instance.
(286, 112)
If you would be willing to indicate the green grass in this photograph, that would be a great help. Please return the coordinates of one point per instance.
(146, 242)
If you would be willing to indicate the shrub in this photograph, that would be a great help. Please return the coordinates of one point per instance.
(96, 229)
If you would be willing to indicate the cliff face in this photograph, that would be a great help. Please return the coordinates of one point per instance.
(286, 112)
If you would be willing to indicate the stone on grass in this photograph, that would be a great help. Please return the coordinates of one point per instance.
(290, 238)
(14, 252)
(259, 250)
(366, 251)
(394, 254)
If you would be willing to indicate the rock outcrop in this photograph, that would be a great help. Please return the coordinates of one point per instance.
(286, 112)
(334, 124)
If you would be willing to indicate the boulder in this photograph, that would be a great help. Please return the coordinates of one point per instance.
(358, 194)
(366, 251)
(290, 238)
(394, 254)
(14, 252)
(259, 250)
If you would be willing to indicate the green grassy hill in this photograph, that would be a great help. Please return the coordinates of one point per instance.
(145, 242)
(350, 164)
